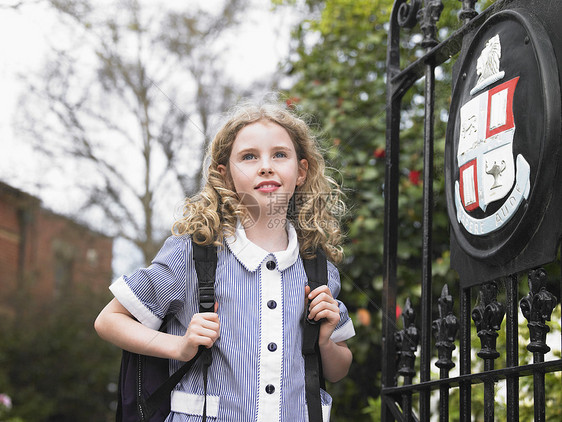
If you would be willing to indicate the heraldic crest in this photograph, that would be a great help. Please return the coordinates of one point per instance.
(488, 170)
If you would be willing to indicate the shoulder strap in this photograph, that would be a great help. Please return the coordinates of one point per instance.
(205, 258)
(317, 273)
(316, 269)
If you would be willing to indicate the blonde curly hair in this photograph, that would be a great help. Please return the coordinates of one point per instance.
(314, 209)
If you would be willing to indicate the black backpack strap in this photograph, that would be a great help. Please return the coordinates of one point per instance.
(205, 265)
(317, 273)
(152, 403)
(205, 258)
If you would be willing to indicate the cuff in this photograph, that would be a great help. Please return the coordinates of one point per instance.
(127, 298)
(346, 331)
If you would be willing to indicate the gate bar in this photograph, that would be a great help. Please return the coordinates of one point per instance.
(388, 407)
(465, 349)
(479, 378)
(427, 238)
(512, 345)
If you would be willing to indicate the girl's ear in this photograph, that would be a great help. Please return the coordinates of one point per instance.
(223, 170)
(302, 171)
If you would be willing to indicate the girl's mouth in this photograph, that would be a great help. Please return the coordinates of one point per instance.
(267, 186)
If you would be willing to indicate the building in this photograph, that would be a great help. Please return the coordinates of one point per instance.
(45, 253)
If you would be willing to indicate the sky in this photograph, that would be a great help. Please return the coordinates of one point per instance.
(25, 38)
(25, 35)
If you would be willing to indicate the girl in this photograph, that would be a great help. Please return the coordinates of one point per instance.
(266, 203)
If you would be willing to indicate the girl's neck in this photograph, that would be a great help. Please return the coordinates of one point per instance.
(269, 234)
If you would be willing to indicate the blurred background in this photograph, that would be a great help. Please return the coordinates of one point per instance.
(106, 109)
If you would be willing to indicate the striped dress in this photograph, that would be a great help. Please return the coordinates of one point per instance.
(257, 372)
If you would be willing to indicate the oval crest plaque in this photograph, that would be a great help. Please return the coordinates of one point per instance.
(503, 137)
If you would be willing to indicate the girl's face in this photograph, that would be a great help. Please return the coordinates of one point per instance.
(264, 169)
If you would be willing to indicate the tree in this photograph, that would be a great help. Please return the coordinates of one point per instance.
(338, 66)
(52, 365)
(340, 81)
(125, 108)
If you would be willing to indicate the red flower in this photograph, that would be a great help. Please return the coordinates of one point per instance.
(364, 316)
(379, 152)
(398, 311)
(414, 177)
(292, 101)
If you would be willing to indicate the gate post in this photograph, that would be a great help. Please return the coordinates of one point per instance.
(537, 308)
(388, 375)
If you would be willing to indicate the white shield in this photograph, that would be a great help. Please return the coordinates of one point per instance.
(485, 152)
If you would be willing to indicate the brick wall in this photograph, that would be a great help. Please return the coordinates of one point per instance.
(46, 252)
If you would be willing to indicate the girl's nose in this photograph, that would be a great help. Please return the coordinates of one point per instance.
(265, 171)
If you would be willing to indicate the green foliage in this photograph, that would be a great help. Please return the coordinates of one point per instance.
(340, 79)
(373, 409)
(338, 68)
(341, 83)
(52, 364)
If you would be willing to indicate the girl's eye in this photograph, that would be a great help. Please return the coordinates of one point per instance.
(280, 154)
(248, 156)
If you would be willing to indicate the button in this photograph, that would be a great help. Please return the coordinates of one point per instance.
(269, 389)
(272, 304)
(272, 347)
(270, 265)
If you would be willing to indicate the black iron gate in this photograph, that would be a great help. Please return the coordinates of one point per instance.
(503, 183)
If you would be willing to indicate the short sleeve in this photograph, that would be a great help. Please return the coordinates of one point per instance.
(152, 293)
(344, 330)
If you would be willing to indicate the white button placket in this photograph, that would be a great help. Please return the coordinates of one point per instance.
(271, 346)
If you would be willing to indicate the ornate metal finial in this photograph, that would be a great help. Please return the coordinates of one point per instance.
(467, 12)
(445, 330)
(428, 18)
(408, 13)
(537, 308)
(407, 341)
(488, 316)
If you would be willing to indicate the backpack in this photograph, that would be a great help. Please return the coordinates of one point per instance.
(145, 384)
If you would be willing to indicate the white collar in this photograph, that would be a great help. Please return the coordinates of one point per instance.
(251, 255)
